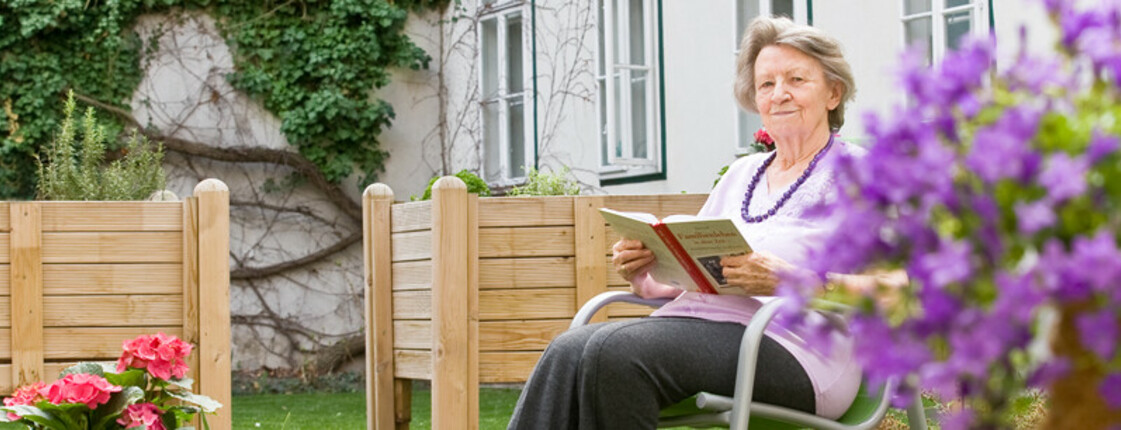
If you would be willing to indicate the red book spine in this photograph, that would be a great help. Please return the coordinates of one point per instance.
(683, 258)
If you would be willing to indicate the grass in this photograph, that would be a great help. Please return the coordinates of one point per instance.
(320, 411)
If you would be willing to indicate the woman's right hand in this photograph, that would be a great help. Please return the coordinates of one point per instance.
(631, 258)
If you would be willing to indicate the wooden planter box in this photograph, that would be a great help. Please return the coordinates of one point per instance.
(464, 290)
(77, 279)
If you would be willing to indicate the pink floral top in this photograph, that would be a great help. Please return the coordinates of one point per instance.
(789, 234)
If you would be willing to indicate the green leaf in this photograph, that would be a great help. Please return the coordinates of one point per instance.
(207, 404)
(74, 415)
(128, 378)
(184, 383)
(37, 416)
(86, 367)
(105, 415)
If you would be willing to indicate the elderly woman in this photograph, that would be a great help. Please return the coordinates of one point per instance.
(619, 375)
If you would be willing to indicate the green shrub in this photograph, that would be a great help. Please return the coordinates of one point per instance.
(547, 184)
(76, 170)
(475, 185)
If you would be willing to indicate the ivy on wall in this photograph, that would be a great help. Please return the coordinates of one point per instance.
(313, 63)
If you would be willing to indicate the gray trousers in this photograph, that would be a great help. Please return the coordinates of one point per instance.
(619, 375)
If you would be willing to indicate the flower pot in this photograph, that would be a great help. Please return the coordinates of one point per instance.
(1075, 399)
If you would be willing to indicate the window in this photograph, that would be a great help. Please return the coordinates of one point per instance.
(627, 78)
(503, 94)
(938, 25)
(746, 10)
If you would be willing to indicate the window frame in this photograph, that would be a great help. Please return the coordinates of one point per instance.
(979, 18)
(802, 14)
(501, 12)
(614, 169)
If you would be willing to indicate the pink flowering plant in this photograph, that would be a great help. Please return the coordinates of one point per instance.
(998, 192)
(146, 389)
(763, 141)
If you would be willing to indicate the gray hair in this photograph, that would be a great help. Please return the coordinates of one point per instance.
(766, 31)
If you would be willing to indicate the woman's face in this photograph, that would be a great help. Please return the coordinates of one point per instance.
(791, 92)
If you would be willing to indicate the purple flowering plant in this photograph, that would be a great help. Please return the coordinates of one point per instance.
(998, 191)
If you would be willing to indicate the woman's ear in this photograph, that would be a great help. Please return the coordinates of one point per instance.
(835, 92)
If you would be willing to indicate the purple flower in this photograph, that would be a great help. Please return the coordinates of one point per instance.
(1064, 177)
(1002, 150)
(1101, 254)
(1110, 390)
(1017, 298)
(1098, 332)
(1034, 216)
(957, 420)
(1102, 145)
(1049, 372)
(873, 336)
(947, 264)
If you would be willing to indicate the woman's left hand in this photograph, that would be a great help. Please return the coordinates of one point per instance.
(756, 273)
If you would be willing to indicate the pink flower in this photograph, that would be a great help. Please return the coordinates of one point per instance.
(163, 355)
(26, 395)
(144, 415)
(762, 138)
(92, 390)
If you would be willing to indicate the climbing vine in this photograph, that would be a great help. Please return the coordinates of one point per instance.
(315, 64)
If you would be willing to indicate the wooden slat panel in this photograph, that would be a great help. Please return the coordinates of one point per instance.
(613, 278)
(411, 216)
(5, 221)
(63, 279)
(5, 344)
(412, 334)
(519, 335)
(112, 216)
(101, 343)
(5, 278)
(660, 205)
(112, 311)
(506, 367)
(526, 242)
(412, 246)
(412, 305)
(538, 303)
(543, 272)
(412, 364)
(5, 312)
(27, 302)
(113, 247)
(412, 275)
(4, 247)
(526, 211)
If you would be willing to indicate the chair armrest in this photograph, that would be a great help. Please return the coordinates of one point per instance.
(749, 351)
(603, 299)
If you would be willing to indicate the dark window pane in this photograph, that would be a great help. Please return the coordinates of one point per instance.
(490, 58)
(919, 35)
(514, 76)
(782, 8)
(957, 26)
(517, 138)
(956, 3)
(638, 114)
(915, 6)
(638, 33)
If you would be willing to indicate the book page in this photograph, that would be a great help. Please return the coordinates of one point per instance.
(637, 226)
(707, 241)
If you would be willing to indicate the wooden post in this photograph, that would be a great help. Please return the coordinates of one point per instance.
(377, 259)
(214, 297)
(26, 244)
(450, 296)
(472, 311)
(191, 282)
(591, 241)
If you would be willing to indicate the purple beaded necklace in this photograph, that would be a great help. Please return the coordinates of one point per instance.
(785, 196)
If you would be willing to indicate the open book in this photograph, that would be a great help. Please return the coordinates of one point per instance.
(687, 249)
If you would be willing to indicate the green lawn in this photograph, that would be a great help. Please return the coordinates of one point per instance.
(322, 411)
